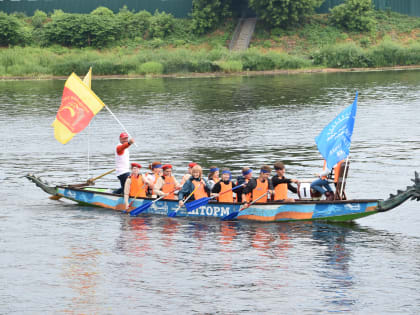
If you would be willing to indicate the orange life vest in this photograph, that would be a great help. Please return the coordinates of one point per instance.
(260, 190)
(199, 192)
(227, 197)
(337, 171)
(169, 186)
(323, 169)
(137, 187)
(280, 191)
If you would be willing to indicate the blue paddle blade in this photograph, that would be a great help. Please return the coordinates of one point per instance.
(140, 209)
(230, 216)
(172, 214)
(197, 203)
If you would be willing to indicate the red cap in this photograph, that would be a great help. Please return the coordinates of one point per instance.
(135, 165)
(166, 166)
(192, 164)
(123, 135)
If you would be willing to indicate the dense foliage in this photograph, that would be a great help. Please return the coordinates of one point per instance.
(12, 30)
(283, 13)
(207, 14)
(354, 15)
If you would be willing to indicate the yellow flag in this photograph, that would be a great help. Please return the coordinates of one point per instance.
(88, 78)
(78, 106)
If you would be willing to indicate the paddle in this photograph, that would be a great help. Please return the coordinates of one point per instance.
(172, 214)
(92, 180)
(234, 214)
(203, 201)
(146, 206)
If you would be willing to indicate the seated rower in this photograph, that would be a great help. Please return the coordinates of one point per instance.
(195, 183)
(151, 178)
(257, 187)
(281, 184)
(166, 184)
(188, 175)
(213, 177)
(321, 184)
(243, 179)
(223, 185)
(135, 185)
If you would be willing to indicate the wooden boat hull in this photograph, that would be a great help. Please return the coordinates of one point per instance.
(266, 212)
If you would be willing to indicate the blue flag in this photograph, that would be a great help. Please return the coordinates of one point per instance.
(334, 141)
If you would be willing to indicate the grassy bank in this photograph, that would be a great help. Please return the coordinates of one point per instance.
(395, 42)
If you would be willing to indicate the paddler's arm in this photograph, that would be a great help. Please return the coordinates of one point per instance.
(158, 186)
(127, 191)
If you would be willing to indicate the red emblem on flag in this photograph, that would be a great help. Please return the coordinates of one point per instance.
(73, 113)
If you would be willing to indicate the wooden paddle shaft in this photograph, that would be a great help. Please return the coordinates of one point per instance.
(100, 176)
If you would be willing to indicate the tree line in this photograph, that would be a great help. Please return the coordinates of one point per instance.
(103, 28)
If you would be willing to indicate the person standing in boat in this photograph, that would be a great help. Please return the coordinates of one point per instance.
(188, 175)
(281, 184)
(258, 187)
(321, 184)
(135, 185)
(151, 178)
(166, 184)
(195, 183)
(122, 160)
(223, 185)
(213, 177)
(243, 179)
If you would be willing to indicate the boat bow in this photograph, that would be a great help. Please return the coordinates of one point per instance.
(393, 201)
(52, 190)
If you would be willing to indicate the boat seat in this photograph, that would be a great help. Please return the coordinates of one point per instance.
(341, 183)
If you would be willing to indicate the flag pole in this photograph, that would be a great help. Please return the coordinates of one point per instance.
(344, 177)
(119, 122)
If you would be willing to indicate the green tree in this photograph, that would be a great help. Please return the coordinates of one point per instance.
(12, 30)
(283, 13)
(206, 14)
(161, 25)
(133, 25)
(354, 15)
(81, 30)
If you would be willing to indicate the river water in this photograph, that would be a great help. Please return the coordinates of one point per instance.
(59, 257)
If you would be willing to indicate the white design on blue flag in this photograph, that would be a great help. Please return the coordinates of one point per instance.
(335, 140)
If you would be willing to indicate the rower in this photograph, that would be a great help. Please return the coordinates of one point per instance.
(224, 185)
(213, 177)
(166, 184)
(195, 185)
(135, 185)
(243, 179)
(151, 178)
(258, 187)
(188, 175)
(281, 184)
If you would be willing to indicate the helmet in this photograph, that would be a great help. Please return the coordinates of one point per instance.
(123, 135)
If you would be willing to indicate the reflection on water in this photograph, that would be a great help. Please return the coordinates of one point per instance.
(58, 257)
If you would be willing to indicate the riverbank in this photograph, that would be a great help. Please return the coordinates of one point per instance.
(314, 47)
(221, 74)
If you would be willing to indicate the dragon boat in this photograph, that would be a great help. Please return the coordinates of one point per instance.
(304, 210)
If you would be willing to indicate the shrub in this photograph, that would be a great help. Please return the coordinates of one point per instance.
(38, 19)
(132, 25)
(12, 31)
(151, 67)
(230, 66)
(354, 15)
(161, 25)
(283, 13)
(206, 14)
(81, 30)
(102, 11)
(342, 56)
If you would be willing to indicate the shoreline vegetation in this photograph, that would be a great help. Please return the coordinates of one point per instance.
(188, 75)
(314, 46)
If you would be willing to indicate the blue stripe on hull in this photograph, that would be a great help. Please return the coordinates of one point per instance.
(266, 212)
